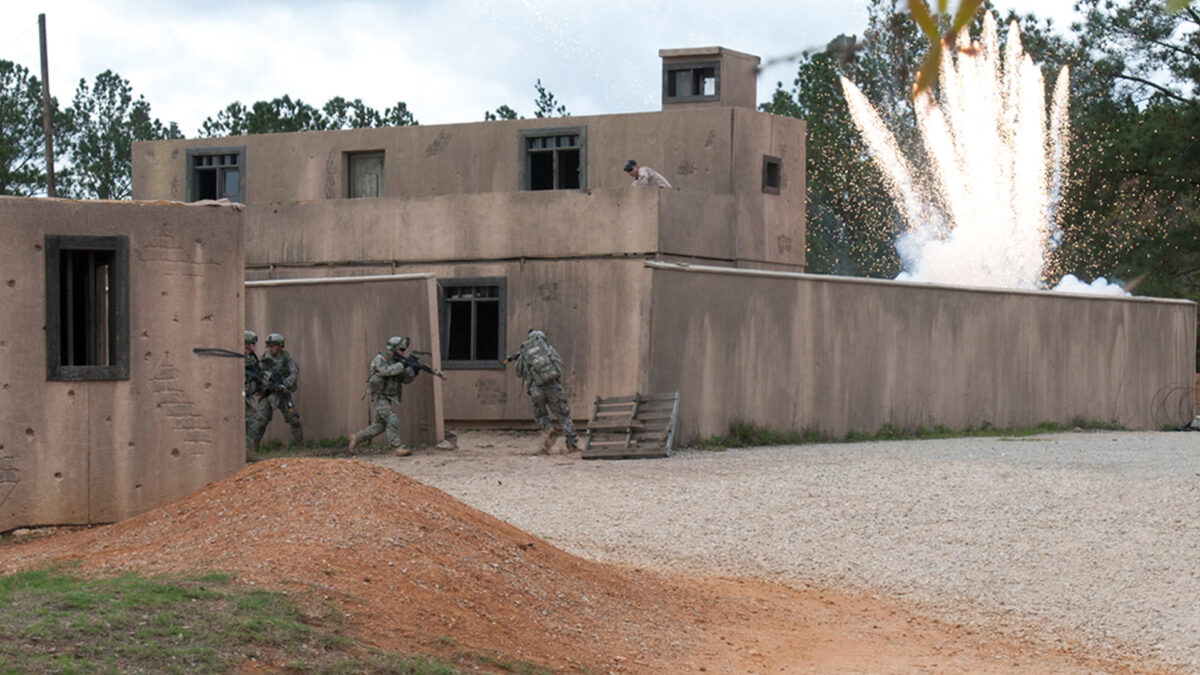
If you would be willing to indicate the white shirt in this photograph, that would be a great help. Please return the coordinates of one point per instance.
(647, 177)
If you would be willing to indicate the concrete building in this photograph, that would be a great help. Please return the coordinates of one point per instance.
(532, 224)
(105, 410)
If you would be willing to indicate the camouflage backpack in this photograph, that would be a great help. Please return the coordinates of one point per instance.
(538, 359)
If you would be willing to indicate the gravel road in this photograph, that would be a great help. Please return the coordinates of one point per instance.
(1091, 537)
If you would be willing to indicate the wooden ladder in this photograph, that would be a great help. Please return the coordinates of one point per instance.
(632, 426)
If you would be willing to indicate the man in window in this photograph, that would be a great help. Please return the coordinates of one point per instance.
(644, 176)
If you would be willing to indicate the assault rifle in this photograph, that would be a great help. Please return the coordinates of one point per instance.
(252, 373)
(275, 383)
(511, 357)
(412, 361)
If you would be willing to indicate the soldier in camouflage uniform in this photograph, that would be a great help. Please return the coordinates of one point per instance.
(540, 366)
(251, 390)
(280, 375)
(386, 377)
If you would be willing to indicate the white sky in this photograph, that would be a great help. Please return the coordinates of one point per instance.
(449, 60)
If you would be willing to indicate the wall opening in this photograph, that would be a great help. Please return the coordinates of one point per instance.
(472, 317)
(216, 173)
(366, 174)
(87, 308)
(772, 174)
(684, 82)
(554, 159)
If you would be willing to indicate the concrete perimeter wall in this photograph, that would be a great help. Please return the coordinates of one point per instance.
(833, 354)
(74, 452)
(334, 327)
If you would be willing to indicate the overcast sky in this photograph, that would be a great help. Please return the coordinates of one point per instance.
(449, 60)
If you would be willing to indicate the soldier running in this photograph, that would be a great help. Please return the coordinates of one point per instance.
(540, 366)
(386, 377)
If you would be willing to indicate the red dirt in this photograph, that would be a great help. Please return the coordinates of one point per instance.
(417, 571)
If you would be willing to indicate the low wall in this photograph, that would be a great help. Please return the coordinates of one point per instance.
(834, 354)
(591, 309)
(490, 226)
(95, 451)
(334, 327)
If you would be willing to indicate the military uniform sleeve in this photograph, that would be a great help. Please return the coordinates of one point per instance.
(387, 368)
(293, 374)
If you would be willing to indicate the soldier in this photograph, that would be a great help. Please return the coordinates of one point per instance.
(386, 376)
(280, 375)
(540, 366)
(251, 390)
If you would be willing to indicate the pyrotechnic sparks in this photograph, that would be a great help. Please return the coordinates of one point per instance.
(983, 210)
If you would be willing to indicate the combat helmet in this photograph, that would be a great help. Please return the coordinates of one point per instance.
(396, 342)
(275, 339)
(251, 337)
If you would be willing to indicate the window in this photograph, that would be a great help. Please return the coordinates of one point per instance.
(87, 308)
(216, 173)
(684, 82)
(554, 159)
(366, 174)
(772, 178)
(472, 322)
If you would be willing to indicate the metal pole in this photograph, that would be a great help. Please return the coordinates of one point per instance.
(47, 122)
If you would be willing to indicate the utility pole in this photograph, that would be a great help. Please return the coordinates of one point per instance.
(47, 122)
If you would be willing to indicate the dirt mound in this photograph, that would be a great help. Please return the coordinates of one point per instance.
(411, 562)
(418, 571)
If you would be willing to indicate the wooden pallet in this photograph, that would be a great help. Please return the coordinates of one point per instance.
(632, 426)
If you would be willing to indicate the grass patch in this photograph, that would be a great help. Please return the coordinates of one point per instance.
(275, 447)
(325, 447)
(53, 621)
(745, 434)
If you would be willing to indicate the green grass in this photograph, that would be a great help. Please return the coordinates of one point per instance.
(325, 447)
(54, 621)
(745, 434)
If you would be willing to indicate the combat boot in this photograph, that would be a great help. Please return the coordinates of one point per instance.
(401, 451)
(353, 444)
(548, 441)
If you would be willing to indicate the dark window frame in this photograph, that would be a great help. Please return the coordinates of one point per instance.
(524, 136)
(772, 180)
(57, 248)
(193, 184)
(501, 284)
(362, 154)
(692, 68)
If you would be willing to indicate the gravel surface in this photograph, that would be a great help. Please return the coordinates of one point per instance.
(1089, 537)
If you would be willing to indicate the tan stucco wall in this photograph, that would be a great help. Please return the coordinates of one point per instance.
(452, 190)
(459, 227)
(593, 311)
(99, 451)
(333, 328)
(830, 354)
(562, 224)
